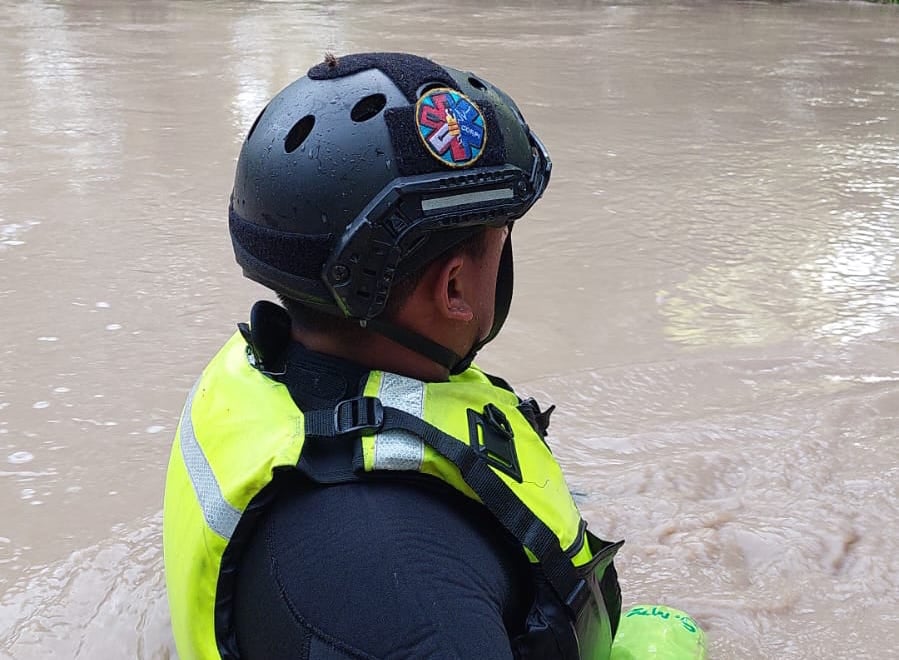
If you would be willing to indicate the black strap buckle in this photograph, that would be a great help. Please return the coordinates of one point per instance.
(364, 413)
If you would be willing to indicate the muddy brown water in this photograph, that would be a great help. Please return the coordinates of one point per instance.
(709, 291)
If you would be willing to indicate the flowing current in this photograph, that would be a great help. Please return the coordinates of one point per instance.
(709, 291)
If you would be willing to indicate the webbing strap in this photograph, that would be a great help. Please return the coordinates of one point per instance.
(499, 499)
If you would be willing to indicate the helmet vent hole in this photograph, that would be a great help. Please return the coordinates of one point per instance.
(427, 87)
(256, 122)
(298, 133)
(477, 84)
(368, 107)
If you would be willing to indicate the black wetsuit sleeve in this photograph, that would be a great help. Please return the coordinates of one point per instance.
(384, 569)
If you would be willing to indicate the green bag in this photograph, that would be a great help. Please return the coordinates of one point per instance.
(657, 632)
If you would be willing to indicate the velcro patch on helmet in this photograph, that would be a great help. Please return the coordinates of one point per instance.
(415, 155)
(301, 255)
(408, 72)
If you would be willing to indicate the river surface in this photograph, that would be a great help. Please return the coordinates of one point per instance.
(709, 291)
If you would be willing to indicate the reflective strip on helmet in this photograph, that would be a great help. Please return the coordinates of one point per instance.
(219, 514)
(477, 197)
(397, 449)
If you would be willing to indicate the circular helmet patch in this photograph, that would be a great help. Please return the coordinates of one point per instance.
(451, 126)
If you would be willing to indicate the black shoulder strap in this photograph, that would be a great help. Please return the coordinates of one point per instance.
(369, 415)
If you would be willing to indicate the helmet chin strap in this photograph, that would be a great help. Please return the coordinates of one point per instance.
(415, 342)
(501, 302)
(441, 354)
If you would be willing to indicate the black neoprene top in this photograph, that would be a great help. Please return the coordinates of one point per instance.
(381, 569)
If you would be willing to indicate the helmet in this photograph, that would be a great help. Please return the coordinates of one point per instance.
(368, 168)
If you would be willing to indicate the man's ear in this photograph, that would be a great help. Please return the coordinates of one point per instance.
(450, 292)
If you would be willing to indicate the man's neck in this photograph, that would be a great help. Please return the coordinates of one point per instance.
(372, 351)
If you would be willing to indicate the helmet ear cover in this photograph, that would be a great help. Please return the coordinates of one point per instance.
(415, 219)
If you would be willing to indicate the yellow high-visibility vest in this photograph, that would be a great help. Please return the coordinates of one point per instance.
(239, 426)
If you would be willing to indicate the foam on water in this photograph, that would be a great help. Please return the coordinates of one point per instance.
(11, 232)
(20, 457)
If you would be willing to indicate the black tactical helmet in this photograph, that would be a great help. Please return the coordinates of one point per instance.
(368, 168)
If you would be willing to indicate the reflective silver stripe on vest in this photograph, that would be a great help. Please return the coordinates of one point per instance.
(398, 449)
(220, 515)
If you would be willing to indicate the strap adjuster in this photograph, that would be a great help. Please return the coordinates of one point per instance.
(364, 413)
(578, 596)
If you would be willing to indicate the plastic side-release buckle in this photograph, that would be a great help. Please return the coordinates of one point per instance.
(364, 413)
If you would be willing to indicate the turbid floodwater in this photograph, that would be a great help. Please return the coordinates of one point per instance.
(709, 291)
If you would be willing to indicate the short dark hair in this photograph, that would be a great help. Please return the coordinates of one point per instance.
(317, 320)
